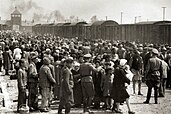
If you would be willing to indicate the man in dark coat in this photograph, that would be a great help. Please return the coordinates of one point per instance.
(66, 88)
(46, 79)
(7, 55)
(153, 75)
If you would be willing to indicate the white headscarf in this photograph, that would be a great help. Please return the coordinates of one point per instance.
(122, 62)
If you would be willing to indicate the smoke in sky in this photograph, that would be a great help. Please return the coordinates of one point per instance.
(31, 11)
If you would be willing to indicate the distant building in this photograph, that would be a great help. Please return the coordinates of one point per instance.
(16, 23)
(16, 20)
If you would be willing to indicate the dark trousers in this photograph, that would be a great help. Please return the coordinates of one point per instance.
(33, 91)
(155, 94)
(162, 87)
(1, 65)
(21, 98)
(88, 94)
(63, 104)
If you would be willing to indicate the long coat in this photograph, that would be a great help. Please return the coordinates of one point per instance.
(57, 78)
(77, 90)
(46, 78)
(7, 55)
(66, 88)
(119, 93)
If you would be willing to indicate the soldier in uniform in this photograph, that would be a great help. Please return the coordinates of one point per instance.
(33, 82)
(66, 88)
(22, 82)
(153, 75)
(86, 70)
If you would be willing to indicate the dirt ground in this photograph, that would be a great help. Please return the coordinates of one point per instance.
(136, 102)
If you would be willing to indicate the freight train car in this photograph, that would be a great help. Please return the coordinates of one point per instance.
(151, 32)
(105, 30)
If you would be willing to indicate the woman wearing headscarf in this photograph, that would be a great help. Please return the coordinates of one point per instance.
(119, 92)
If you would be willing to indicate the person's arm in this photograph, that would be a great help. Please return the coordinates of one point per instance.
(20, 80)
(50, 77)
(147, 69)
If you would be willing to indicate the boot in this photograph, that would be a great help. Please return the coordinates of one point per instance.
(60, 109)
(67, 109)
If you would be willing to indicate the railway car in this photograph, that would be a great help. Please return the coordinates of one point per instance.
(105, 30)
(146, 32)
(143, 32)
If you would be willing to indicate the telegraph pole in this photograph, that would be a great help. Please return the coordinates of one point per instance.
(163, 13)
(121, 16)
(135, 19)
(106, 18)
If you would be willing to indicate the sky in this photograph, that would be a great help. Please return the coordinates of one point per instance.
(144, 10)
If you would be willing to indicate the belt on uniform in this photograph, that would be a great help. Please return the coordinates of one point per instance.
(85, 76)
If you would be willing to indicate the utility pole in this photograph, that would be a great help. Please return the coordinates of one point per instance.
(163, 13)
(135, 19)
(106, 18)
(121, 16)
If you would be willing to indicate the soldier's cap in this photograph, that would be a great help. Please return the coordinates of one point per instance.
(87, 56)
(155, 51)
(46, 61)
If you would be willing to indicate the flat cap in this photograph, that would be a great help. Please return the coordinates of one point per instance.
(155, 51)
(87, 55)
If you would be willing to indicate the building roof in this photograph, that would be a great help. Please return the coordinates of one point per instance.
(16, 12)
(155, 22)
(97, 23)
(78, 23)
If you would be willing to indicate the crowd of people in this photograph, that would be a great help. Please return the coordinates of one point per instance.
(88, 73)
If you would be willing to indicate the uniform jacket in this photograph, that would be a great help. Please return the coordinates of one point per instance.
(154, 64)
(86, 70)
(46, 78)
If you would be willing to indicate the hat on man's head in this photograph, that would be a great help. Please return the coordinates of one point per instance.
(87, 55)
(155, 51)
(33, 55)
(46, 61)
